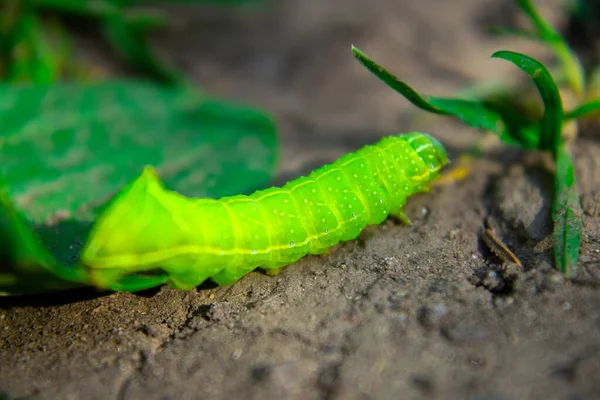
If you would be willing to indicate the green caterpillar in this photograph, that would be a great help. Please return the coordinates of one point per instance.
(148, 229)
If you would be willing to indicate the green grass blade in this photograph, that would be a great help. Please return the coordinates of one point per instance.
(395, 83)
(511, 127)
(573, 69)
(583, 109)
(566, 208)
(545, 29)
(566, 213)
(551, 123)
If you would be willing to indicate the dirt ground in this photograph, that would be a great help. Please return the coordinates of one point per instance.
(421, 312)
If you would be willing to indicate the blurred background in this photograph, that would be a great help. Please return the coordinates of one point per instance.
(289, 57)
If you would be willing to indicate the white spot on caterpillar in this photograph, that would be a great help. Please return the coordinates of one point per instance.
(381, 200)
(362, 165)
(253, 251)
(285, 200)
(314, 191)
(354, 216)
(355, 175)
(291, 231)
(338, 178)
(322, 219)
(326, 231)
(349, 205)
(291, 244)
(306, 200)
(330, 188)
(282, 214)
(222, 252)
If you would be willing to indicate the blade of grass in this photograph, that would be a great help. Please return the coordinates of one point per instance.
(572, 67)
(551, 123)
(583, 109)
(511, 127)
(566, 208)
(566, 212)
(472, 112)
(395, 83)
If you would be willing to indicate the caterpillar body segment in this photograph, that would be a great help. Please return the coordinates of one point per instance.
(191, 240)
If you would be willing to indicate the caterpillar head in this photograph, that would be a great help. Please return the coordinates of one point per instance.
(429, 149)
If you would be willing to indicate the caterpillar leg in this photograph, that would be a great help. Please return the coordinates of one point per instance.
(400, 216)
(228, 277)
(135, 283)
(186, 280)
(117, 280)
(272, 271)
(106, 277)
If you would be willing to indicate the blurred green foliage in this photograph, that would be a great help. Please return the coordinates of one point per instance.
(35, 44)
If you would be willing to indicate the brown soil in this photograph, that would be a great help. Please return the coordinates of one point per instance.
(421, 312)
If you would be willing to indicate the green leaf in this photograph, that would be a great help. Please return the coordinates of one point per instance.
(551, 124)
(583, 109)
(395, 83)
(66, 149)
(566, 208)
(511, 127)
(26, 266)
(573, 70)
(566, 213)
